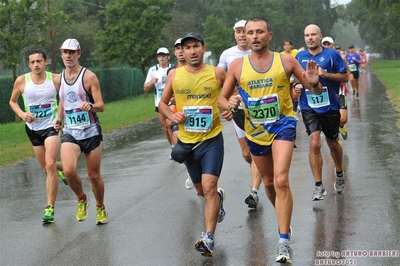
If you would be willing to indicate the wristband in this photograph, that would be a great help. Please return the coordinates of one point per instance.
(316, 85)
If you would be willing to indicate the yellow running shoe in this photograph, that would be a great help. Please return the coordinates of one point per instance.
(48, 216)
(101, 215)
(61, 174)
(343, 132)
(81, 212)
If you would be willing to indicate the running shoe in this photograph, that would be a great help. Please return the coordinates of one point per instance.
(189, 183)
(81, 212)
(62, 175)
(319, 193)
(284, 253)
(205, 245)
(101, 215)
(252, 200)
(48, 216)
(222, 211)
(343, 132)
(339, 182)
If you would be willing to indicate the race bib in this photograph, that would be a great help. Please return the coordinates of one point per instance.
(159, 93)
(77, 118)
(42, 111)
(265, 109)
(199, 118)
(353, 67)
(317, 101)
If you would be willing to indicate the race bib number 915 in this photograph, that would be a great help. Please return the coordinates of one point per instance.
(199, 118)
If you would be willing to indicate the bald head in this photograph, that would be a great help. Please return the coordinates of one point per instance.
(312, 28)
(312, 37)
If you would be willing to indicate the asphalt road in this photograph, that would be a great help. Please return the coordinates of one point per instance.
(154, 220)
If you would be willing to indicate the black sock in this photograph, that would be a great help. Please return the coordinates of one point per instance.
(318, 184)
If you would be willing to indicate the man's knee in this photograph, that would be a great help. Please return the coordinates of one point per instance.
(246, 154)
(281, 182)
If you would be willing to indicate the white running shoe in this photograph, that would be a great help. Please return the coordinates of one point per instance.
(189, 183)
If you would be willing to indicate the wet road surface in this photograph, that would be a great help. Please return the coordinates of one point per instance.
(154, 220)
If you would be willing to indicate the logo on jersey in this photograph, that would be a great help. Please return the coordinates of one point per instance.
(71, 96)
(260, 83)
(199, 96)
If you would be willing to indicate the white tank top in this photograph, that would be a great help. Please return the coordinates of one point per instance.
(41, 101)
(78, 123)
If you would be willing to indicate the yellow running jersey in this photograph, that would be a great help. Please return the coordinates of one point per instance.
(196, 95)
(267, 102)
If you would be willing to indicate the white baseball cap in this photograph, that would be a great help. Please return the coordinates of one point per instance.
(327, 39)
(162, 50)
(239, 24)
(70, 44)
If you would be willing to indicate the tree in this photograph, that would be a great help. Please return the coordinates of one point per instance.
(23, 24)
(78, 20)
(133, 32)
(378, 22)
(218, 37)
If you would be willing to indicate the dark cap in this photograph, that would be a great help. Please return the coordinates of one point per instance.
(351, 46)
(192, 35)
(178, 42)
(337, 47)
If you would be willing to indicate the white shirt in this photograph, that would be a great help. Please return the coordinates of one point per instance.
(161, 75)
(231, 54)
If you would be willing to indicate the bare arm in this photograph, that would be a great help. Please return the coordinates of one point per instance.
(56, 81)
(18, 89)
(92, 84)
(338, 77)
(221, 75)
(147, 86)
(60, 117)
(228, 88)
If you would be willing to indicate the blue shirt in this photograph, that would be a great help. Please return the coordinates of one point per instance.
(353, 65)
(330, 61)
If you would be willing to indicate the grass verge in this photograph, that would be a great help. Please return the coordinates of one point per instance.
(15, 145)
(388, 72)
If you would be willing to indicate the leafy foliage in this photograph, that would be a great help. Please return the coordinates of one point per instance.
(378, 22)
(77, 20)
(219, 37)
(133, 31)
(23, 23)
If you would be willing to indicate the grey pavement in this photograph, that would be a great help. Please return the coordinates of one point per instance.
(154, 220)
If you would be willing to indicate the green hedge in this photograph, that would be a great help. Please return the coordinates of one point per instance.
(116, 83)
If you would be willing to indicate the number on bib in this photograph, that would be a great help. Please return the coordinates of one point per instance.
(199, 118)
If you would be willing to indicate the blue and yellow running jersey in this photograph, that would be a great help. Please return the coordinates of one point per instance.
(267, 101)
